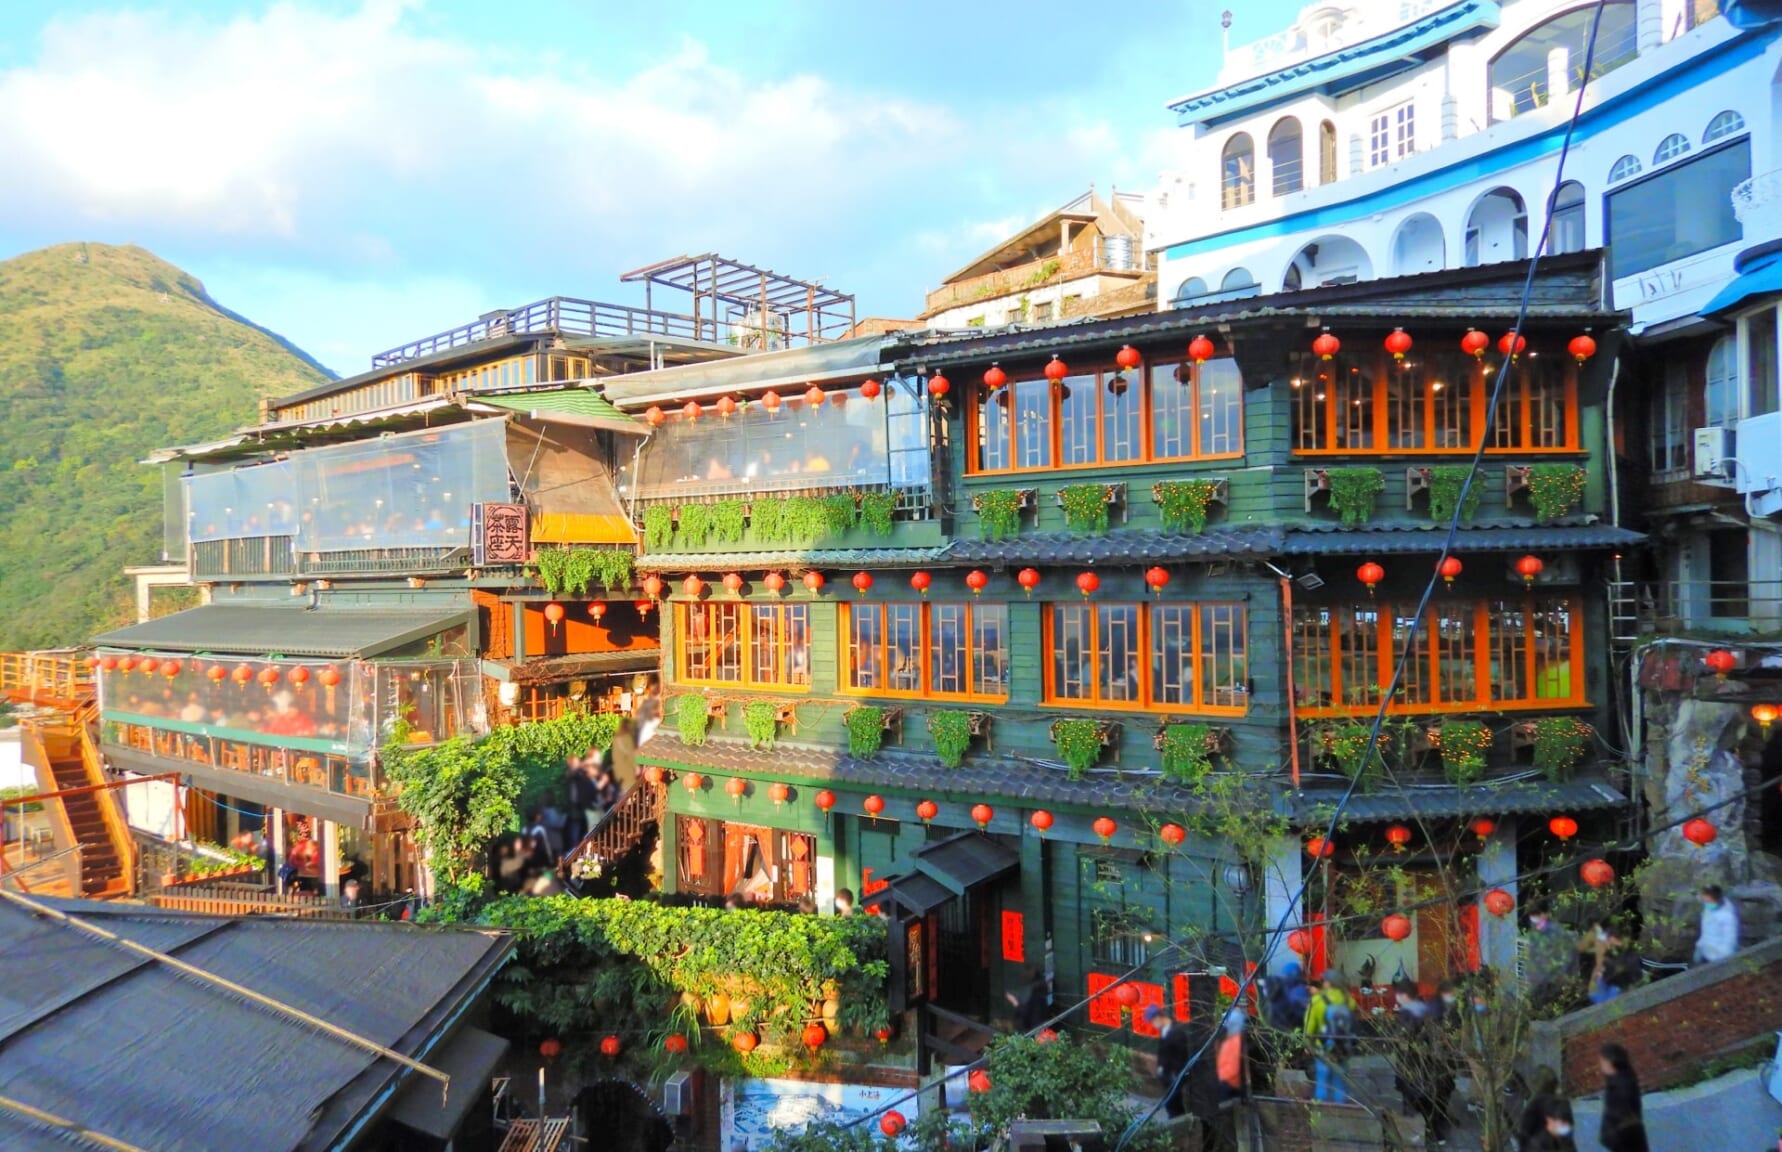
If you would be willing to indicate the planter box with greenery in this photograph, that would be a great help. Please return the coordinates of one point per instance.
(1560, 743)
(1188, 750)
(1086, 505)
(1555, 489)
(1352, 492)
(1080, 742)
(576, 571)
(867, 726)
(1344, 745)
(1443, 483)
(1183, 505)
(999, 511)
(953, 732)
(1464, 745)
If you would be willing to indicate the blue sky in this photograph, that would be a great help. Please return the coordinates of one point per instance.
(358, 173)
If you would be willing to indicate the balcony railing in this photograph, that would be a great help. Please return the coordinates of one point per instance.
(1724, 607)
(248, 556)
(558, 314)
(341, 775)
(1099, 257)
(56, 675)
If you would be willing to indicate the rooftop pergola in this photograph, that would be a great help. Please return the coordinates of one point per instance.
(761, 305)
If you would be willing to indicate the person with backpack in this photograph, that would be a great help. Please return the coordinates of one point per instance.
(1288, 999)
(1330, 1025)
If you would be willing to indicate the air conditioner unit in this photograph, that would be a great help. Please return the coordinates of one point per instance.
(1714, 448)
(677, 1094)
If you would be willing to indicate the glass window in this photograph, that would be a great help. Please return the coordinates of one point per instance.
(1122, 401)
(1724, 124)
(1180, 656)
(1721, 394)
(1392, 135)
(1671, 147)
(1033, 423)
(1327, 153)
(926, 649)
(1286, 156)
(1760, 341)
(1522, 77)
(764, 645)
(1568, 219)
(1685, 209)
(1190, 289)
(1623, 168)
(1237, 171)
(1076, 400)
(1668, 444)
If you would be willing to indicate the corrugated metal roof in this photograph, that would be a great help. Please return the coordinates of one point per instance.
(265, 628)
(129, 1048)
(790, 558)
(561, 405)
(1336, 540)
(840, 359)
(1117, 547)
(1587, 793)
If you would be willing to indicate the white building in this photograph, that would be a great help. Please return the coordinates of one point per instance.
(1398, 138)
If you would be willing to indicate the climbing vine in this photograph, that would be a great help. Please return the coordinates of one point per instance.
(696, 525)
(1085, 507)
(1445, 483)
(1559, 745)
(1464, 745)
(691, 718)
(1555, 489)
(762, 723)
(658, 527)
(952, 736)
(999, 513)
(1079, 744)
(866, 730)
(728, 520)
(1353, 492)
(1183, 504)
(876, 509)
(1187, 752)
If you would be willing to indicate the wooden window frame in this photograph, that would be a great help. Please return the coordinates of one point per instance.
(1146, 701)
(925, 651)
(1145, 379)
(1328, 652)
(748, 614)
(1520, 396)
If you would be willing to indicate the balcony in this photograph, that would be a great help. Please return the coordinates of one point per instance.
(558, 314)
(342, 775)
(1097, 259)
(1712, 607)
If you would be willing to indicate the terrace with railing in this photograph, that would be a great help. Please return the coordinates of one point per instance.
(1715, 607)
(560, 315)
(1101, 257)
(45, 677)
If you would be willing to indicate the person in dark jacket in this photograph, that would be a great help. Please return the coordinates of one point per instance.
(1035, 1004)
(1543, 1091)
(1288, 997)
(1172, 1057)
(1556, 1134)
(1624, 1128)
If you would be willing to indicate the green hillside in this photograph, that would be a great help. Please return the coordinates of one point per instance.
(105, 354)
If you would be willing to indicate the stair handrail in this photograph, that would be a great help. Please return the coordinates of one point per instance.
(618, 829)
(31, 735)
(117, 827)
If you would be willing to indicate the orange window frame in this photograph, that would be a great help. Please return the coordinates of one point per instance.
(1144, 378)
(1324, 646)
(748, 616)
(1146, 701)
(881, 661)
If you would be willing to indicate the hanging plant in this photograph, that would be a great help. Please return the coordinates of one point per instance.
(761, 720)
(692, 717)
(1345, 745)
(728, 520)
(615, 568)
(952, 736)
(767, 516)
(1445, 483)
(876, 509)
(1183, 504)
(658, 527)
(1555, 489)
(1187, 752)
(1085, 507)
(1078, 743)
(696, 524)
(999, 513)
(838, 513)
(1353, 492)
(1464, 745)
(552, 567)
(805, 520)
(866, 730)
(1559, 745)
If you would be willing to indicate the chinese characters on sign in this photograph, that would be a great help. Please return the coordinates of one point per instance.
(501, 535)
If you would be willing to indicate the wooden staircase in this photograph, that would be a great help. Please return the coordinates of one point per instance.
(626, 827)
(62, 750)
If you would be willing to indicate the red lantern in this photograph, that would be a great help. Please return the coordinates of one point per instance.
(693, 781)
(147, 665)
(873, 804)
(1370, 574)
(891, 1123)
(1720, 662)
(652, 586)
(126, 663)
(862, 582)
(976, 580)
(1398, 836)
(643, 607)
(1597, 873)
(654, 416)
(1299, 942)
(870, 389)
(1056, 370)
(927, 810)
(1046, 1036)
(814, 1036)
(1028, 579)
(1200, 349)
(813, 581)
(726, 407)
(216, 674)
(110, 664)
(773, 582)
(1512, 345)
(733, 582)
(170, 669)
(1582, 348)
(1105, 828)
(745, 1042)
(1499, 903)
(692, 586)
(1398, 343)
(675, 1043)
(883, 1035)
(1449, 568)
(610, 1046)
(1087, 583)
(920, 581)
(1474, 343)
(825, 800)
(1128, 357)
(995, 377)
(1699, 832)
(551, 1048)
(1327, 346)
(1395, 927)
(939, 386)
(978, 1081)
(1172, 834)
(1041, 820)
(653, 775)
(1528, 568)
(269, 676)
(1765, 715)
(241, 675)
(1126, 995)
(814, 396)
(1483, 827)
(1563, 827)
(737, 787)
(554, 613)
(770, 400)
(982, 814)
(691, 410)
(779, 793)
(299, 676)
(597, 610)
(1157, 577)
(1318, 848)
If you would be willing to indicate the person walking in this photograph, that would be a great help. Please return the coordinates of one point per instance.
(1624, 1128)
(621, 754)
(1424, 1078)
(1616, 967)
(1288, 998)
(1035, 1004)
(1543, 1091)
(1556, 1133)
(1330, 1026)
(1172, 1057)
(1552, 957)
(1719, 937)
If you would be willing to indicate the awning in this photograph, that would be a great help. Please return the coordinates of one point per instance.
(555, 668)
(277, 628)
(470, 1060)
(1762, 277)
(792, 367)
(1342, 542)
(914, 893)
(965, 861)
(577, 406)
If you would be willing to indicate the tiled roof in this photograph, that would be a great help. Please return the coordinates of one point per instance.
(1328, 539)
(289, 629)
(806, 558)
(1316, 801)
(1117, 547)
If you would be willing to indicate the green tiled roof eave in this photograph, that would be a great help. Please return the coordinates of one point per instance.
(574, 405)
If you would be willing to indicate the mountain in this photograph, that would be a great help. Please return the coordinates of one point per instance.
(107, 353)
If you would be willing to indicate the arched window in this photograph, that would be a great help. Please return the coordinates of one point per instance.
(1567, 213)
(1497, 228)
(1237, 171)
(1236, 280)
(1191, 288)
(1623, 168)
(1286, 156)
(1725, 124)
(1670, 148)
(1327, 153)
(1529, 73)
(1419, 246)
(1721, 392)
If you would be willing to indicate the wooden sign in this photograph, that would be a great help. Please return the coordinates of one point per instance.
(499, 534)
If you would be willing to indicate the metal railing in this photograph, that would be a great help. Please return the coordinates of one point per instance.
(341, 775)
(623, 826)
(1098, 257)
(246, 556)
(557, 314)
(396, 561)
(1749, 607)
(60, 674)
